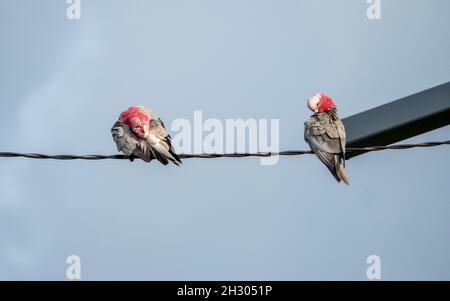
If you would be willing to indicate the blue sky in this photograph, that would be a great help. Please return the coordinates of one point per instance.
(63, 84)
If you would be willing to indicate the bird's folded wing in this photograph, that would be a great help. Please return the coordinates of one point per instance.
(321, 136)
(128, 143)
(157, 129)
(125, 139)
(164, 145)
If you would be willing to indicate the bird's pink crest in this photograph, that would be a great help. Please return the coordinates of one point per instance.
(133, 113)
(325, 103)
(138, 121)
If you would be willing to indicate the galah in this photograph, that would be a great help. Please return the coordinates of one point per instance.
(140, 133)
(325, 134)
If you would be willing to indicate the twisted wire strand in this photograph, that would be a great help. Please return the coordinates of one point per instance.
(229, 155)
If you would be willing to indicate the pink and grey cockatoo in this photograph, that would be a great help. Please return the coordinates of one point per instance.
(325, 134)
(140, 133)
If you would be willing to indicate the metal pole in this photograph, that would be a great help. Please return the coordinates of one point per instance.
(398, 120)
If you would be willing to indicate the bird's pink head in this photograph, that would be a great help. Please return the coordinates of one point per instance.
(138, 120)
(319, 102)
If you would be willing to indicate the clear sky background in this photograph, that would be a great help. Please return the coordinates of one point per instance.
(63, 84)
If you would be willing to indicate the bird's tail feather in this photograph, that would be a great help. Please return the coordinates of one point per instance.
(340, 172)
(177, 160)
(164, 156)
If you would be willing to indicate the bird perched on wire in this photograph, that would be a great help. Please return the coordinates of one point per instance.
(325, 134)
(140, 133)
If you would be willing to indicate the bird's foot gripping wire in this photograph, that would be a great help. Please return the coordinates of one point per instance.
(131, 157)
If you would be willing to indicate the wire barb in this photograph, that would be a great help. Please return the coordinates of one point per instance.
(230, 155)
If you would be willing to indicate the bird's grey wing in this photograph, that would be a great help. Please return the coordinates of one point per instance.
(128, 143)
(325, 148)
(334, 129)
(342, 135)
(163, 149)
(326, 137)
(332, 133)
(125, 140)
(318, 137)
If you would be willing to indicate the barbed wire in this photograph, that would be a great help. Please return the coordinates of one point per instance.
(229, 155)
